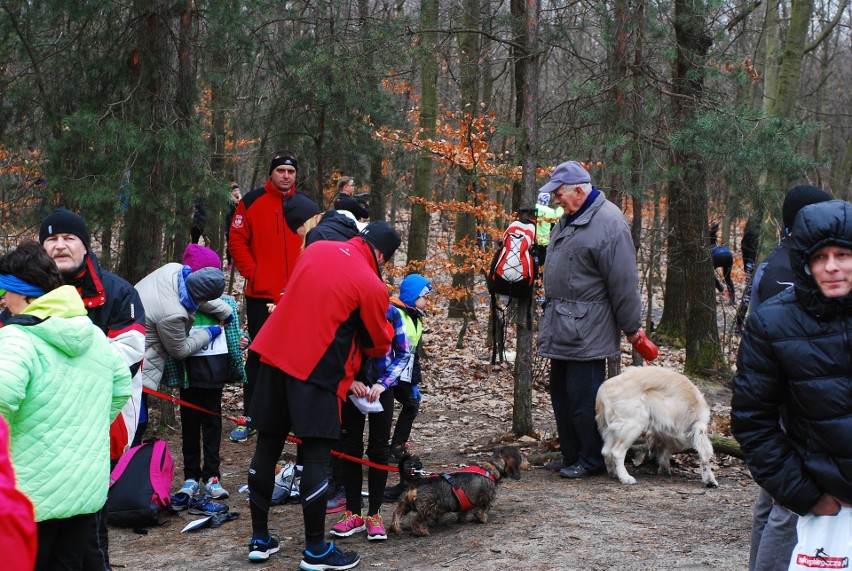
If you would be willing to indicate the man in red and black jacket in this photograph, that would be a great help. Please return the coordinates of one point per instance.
(331, 313)
(265, 252)
(114, 306)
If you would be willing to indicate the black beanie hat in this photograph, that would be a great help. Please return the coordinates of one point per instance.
(205, 284)
(62, 221)
(283, 158)
(351, 204)
(797, 198)
(298, 209)
(381, 235)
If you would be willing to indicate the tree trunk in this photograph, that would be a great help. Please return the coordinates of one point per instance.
(418, 232)
(143, 223)
(688, 195)
(466, 191)
(526, 14)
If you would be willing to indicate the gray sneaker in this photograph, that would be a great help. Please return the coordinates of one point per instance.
(190, 488)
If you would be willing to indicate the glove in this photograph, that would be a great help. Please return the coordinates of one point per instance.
(214, 331)
(415, 392)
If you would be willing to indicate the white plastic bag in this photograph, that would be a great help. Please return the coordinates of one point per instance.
(825, 542)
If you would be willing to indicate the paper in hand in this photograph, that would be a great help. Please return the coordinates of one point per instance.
(366, 406)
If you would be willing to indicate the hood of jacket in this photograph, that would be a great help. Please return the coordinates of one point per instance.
(412, 287)
(50, 318)
(823, 224)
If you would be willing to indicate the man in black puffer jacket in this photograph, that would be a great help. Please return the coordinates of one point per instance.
(795, 369)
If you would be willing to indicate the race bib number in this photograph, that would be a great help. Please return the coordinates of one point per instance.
(219, 346)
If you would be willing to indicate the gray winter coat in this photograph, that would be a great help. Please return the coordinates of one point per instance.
(591, 283)
(167, 322)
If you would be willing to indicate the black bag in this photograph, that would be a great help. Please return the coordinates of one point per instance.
(139, 486)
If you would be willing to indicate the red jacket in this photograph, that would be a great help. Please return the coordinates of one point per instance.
(263, 248)
(332, 310)
(18, 536)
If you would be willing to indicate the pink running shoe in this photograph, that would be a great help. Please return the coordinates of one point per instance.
(375, 527)
(350, 524)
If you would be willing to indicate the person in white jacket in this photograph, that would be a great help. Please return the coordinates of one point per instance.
(172, 295)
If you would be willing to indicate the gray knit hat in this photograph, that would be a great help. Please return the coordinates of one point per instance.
(205, 284)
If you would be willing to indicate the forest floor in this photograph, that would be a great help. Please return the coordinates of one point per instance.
(541, 522)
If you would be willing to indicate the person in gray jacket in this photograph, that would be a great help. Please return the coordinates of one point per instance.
(592, 294)
(171, 296)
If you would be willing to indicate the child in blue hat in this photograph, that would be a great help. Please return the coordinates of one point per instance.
(411, 303)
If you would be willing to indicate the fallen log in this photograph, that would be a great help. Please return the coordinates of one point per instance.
(727, 446)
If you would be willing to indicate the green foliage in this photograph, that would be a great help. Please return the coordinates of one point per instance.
(739, 145)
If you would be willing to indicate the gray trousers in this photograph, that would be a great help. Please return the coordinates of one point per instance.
(773, 535)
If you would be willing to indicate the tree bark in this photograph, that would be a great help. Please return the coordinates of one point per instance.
(418, 231)
(688, 196)
(526, 14)
(467, 187)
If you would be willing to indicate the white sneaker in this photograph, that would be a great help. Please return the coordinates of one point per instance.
(190, 488)
(215, 489)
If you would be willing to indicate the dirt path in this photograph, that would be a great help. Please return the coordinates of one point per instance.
(538, 523)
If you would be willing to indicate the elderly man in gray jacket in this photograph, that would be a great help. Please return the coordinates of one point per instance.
(591, 285)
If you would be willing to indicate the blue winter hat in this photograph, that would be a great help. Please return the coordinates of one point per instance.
(412, 287)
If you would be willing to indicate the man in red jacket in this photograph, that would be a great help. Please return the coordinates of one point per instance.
(331, 313)
(265, 251)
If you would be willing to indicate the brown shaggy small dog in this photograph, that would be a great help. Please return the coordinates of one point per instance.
(663, 404)
(470, 490)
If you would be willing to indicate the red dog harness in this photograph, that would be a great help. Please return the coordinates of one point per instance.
(464, 503)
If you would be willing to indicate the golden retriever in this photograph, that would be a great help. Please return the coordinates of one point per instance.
(663, 404)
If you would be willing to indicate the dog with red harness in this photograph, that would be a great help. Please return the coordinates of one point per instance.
(470, 490)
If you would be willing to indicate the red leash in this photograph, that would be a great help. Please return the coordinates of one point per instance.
(241, 421)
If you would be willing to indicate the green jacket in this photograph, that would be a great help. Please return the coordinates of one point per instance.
(545, 218)
(61, 385)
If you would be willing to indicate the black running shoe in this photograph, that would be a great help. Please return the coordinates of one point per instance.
(331, 559)
(261, 550)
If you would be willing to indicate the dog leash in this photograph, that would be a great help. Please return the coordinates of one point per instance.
(241, 421)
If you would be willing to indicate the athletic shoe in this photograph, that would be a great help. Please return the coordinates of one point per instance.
(190, 488)
(556, 465)
(215, 489)
(337, 501)
(203, 506)
(242, 433)
(350, 524)
(179, 501)
(261, 550)
(375, 527)
(331, 559)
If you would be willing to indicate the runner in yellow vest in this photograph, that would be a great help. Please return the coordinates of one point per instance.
(411, 303)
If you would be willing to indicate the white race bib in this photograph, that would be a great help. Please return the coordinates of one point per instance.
(219, 346)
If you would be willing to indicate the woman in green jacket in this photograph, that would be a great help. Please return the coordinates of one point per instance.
(61, 385)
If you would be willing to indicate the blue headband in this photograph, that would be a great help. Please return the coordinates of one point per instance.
(19, 286)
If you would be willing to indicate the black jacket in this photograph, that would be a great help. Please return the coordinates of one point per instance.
(776, 273)
(332, 226)
(795, 367)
